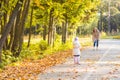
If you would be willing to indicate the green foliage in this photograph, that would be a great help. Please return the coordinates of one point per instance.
(114, 11)
(58, 46)
(41, 49)
(43, 45)
(116, 37)
(7, 58)
(85, 40)
(28, 53)
(2, 65)
(73, 11)
(114, 14)
(76, 12)
(112, 36)
(32, 52)
(38, 51)
(40, 56)
(103, 35)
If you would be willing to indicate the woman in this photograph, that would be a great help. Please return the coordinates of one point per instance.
(95, 37)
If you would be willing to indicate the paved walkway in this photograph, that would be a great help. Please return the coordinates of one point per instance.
(101, 64)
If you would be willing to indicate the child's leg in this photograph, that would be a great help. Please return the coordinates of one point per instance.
(78, 59)
(75, 59)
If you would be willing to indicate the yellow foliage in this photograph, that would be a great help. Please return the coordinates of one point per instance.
(38, 4)
(116, 37)
(103, 34)
(75, 1)
(0, 70)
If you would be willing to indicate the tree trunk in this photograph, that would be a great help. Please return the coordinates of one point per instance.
(54, 31)
(30, 27)
(0, 17)
(25, 13)
(21, 24)
(44, 32)
(66, 25)
(100, 22)
(64, 31)
(15, 44)
(50, 28)
(1, 27)
(5, 22)
(12, 33)
(8, 27)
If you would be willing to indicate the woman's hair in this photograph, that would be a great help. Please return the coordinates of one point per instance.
(95, 30)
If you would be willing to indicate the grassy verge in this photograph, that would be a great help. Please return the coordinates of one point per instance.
(39, 49)
(35, 60)
(111, 36)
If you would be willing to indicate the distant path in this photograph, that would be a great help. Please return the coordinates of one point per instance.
(101, 64)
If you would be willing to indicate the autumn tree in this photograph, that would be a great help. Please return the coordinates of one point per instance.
(114, 15)
(8, 26)
(65, 14)
(47, 15)
(19, 29)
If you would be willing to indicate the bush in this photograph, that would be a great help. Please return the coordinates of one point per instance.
(28, 54)
(103, 35)
(1, 65)
(7, 58)
(116, 37)
(43, 45)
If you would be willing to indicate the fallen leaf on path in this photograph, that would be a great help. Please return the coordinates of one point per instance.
(59, 79)
(29, 69)
(105, 78)
(74, 77)
(110, 72)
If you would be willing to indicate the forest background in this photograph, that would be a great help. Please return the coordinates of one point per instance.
(33, 29)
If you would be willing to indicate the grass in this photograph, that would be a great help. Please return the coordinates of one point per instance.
(34, 52)
(116, 37)
(86, 41)
(111, 36)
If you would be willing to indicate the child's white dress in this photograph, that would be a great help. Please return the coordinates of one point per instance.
(76, 51)
(76, 48)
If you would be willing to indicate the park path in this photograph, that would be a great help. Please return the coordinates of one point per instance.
(101, 64)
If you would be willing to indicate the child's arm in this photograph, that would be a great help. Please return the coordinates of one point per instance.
(80, 47)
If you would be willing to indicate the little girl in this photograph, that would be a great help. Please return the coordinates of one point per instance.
(76, 50)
